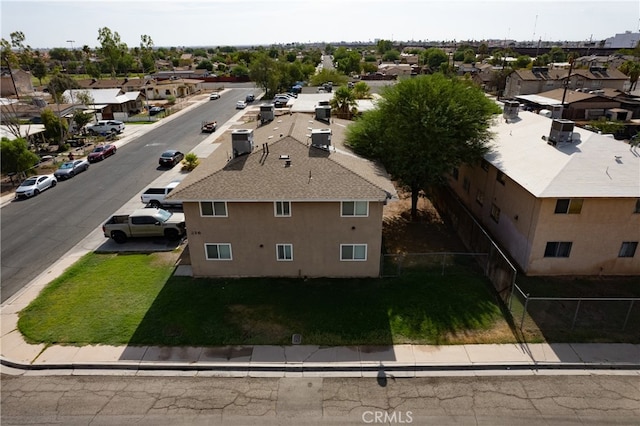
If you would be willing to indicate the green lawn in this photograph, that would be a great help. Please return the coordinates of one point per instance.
(134, 299)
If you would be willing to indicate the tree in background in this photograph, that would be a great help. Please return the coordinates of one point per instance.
(632, 69)
(15, 156)
(422, 128)
(433, 58)
(54, 127)
(361, 90)
(40, 69)
(383, 46)
(344, 103)
(112, 49)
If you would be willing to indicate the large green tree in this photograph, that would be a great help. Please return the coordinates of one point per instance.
(15, 155)
(423, 127)
(112, 49)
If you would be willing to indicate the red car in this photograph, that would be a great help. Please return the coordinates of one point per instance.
(101, 152)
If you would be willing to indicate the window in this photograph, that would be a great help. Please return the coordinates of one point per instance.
(144, 220)
(455, 173)
(480, 197)
(485, 165)
(628, 249)
(284, 252)
(218, 251)
(569, 205)
(500, 177)
(557, 249)
(283, 208)
(466, 184)
(637, 209)
(355, 208)
(213, 208)
(495, 213)
(356, 252)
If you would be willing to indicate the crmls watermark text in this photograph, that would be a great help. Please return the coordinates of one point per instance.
(384, 417)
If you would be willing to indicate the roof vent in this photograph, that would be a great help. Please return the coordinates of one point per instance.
(561, 131)
(321, 138)
(241, 142)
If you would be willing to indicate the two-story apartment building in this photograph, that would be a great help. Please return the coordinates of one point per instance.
(544, 79)
(559, 199)
(285, 199)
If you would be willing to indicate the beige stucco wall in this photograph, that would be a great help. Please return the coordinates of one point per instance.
(527, 223)
(316, 231)
(596, 234)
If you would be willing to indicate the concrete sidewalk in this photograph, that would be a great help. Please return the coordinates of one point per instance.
(19, 357)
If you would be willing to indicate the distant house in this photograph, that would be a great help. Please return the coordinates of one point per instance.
(16, 80)
(109, 104)
(285, 199)
(398, 70)
(544, 79)
(559, 199)
(177, 87)
(578, 105)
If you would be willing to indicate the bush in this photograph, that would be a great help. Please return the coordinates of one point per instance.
(171, 99)
(190, 162)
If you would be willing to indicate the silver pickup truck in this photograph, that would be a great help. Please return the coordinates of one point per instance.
(145, 223)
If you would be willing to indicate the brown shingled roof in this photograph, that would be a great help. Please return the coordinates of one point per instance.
(314, 174)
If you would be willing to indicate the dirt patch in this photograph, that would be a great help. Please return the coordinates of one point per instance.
(427, 234)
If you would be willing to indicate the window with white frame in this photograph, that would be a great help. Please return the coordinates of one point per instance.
(282, 208)
(628, 249)
(355, 208)
(213, 208)
(218, 251)
(353, 252)
(284, 252)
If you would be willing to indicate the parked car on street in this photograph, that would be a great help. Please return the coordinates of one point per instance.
(170, 158)
(241, 105)
(34, 185)
(103, 127)
(101, 152)
(69, 169)
(209, 126)
(214, 95)
(250, 98)
(156, 110)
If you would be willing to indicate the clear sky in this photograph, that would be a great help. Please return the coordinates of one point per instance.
(47, 24)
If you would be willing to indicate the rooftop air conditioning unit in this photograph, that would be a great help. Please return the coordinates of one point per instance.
(511, 109)
(241, 142)
(323, 103)
(321, 138)
(556, 111)
(267, 112)
(561, 131)
(323, 113)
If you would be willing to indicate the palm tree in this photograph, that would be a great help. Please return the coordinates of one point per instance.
(344, 102)
(632, 69)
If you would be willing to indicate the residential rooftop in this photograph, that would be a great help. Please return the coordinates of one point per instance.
(591, 165)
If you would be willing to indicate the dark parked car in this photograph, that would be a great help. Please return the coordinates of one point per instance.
(250, 98)
(170, 158)
(101, 152)
(155, 110)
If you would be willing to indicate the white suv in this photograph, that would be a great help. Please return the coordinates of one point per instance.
(106, 126)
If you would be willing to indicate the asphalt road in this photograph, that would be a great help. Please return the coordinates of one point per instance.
(36, 232)
(510, 400)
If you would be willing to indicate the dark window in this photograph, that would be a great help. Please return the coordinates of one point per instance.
(480, 197)
(466, 184)
(628, 249)
(569, 205)
(637, 210)
(500, 177)
(485, 165)
(495, 213)
(455, 172)
(143, 220)
(557, 249)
